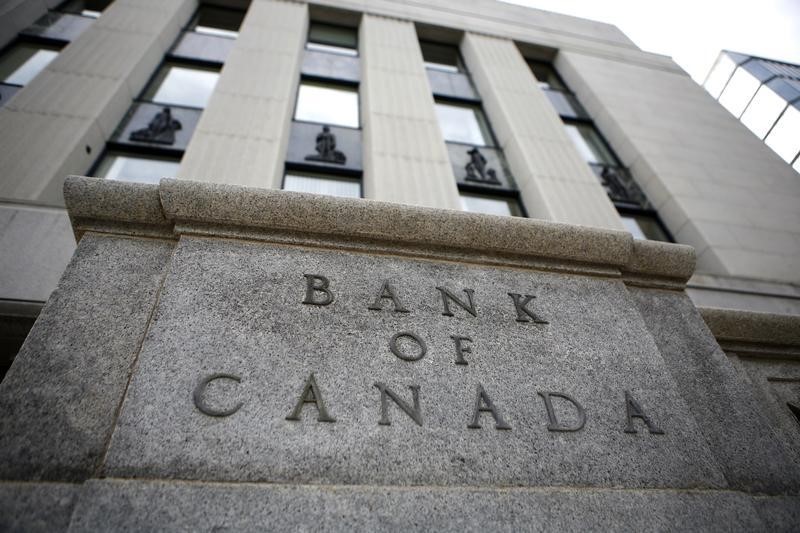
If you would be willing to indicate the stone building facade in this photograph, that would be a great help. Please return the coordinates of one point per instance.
(618, 349)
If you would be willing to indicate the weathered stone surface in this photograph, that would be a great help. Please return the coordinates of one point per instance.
(779, 513)
(723, 404)
(149, 506)
(236, 308)
(59, 400)
(34, 507)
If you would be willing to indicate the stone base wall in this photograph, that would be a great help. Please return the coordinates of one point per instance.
(217, 357)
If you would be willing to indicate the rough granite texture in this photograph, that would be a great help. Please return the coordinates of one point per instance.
(236, 308)
(747, 326)
(157, 506)
(59, 400)
(36, 507)
(184, 200)
(720, 400)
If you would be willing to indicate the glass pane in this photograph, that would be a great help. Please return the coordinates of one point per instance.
(87, 8)
(335, 106)
(763, 111)
(136, 168)
(184, 86)
(644, 227)
(338, 36)
(785, 136)
(719, 75)
(546, 76)
(441, 57)
(332, 49)
(216, 21)
(23, 62)
(739, 91)
(328, 185)
(464, 124)
(590, 145)
(565, 104)
(489, 205)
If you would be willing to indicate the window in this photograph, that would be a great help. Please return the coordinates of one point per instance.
(332, 39)
(763, 111)
(740, 89)
(175, 84)
(322, 184)
(490, 205)
(785, 135)
(334, 105)
(719, 75)
(441, 57)
(217, 21)
(589, 144)
(23, 61)
(463, 123)
(644, 226)
(86, 8)
(138, 168)
(560, 97)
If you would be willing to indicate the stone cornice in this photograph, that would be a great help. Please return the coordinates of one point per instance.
(181, 207)
(754, 334)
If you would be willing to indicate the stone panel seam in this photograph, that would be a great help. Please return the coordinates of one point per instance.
(134, 364)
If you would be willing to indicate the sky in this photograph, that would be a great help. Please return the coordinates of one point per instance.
(693, 32)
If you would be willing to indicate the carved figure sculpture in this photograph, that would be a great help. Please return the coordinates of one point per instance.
(477, 170)
(326, 148)
(161, 129)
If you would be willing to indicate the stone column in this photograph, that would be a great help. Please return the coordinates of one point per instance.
(63, 117)
(554, 181)
(58, 125)
(405, 159)
(243, 133)
(737, 207)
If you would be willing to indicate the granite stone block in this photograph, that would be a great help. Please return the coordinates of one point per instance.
(721, 401)
(36, 507)
(235, 309)
(162, 506)
(59, 400)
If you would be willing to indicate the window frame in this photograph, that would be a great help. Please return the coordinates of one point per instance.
(324, 173)
(461, 67)
(327, 82)
(481, 118)
(142, 152)
(191, 26)
(330, 48)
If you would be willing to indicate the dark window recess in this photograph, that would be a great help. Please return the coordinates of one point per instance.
(217, 21)
(87, 8)
(441, 57)
(209, 37)
(332, 39)
(16, 322)
(446, 73)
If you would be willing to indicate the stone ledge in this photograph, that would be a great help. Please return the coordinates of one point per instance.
(757, 334)
(177, 207)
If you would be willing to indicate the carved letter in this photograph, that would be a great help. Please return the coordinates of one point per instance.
(311, 394)
(199, 391)
(633, 410)
(387, 292)
(461, 349)
(483, 404)
(405, 357)
(315, 283)
(553, 424)
(415, 413)
(523, 313)
(447, 295)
